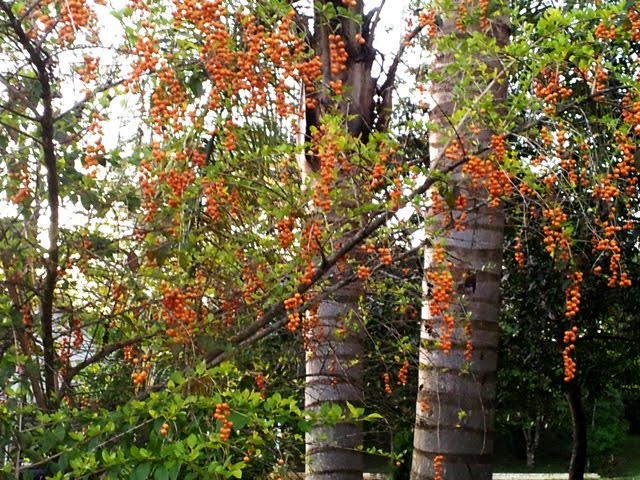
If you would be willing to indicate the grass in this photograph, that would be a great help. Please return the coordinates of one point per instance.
(623, 464)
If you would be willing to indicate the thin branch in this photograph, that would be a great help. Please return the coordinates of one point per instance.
(40, 62)
(104, 352)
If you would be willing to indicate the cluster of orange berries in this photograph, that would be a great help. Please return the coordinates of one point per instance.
(167, 100)
(572, 295)
(610, 245)
(177, 312)
(548, 89)
(261, 384)
(403, 373)
(468, 351)
(483, 7)
(439, 255)
(626, 167)
(26, 315)
(42, 22)
(327, 152)
(22, 175)
(631, 112)
(387, 383)
(570, 337)
(214, 191)
(600, 83)
(349, 3)
(363, 272)
(229, 309)
(146, 51)
(139, 377)
(339, 57)
(285, 232)
(437, 467)
(424, 405)
(488, 173)
(446, 333)
(519, 252)
(291, 305)
(427, 19)
(221, 414)
(178, 182)
(603, 32)
(252, 282)
(462, 16)
(461, 204)
(377, 175)
(634, 20)
(368, 247)
(309, 270)
(437, 204)
(554, 237)
(75, 15)
(93, 152)
(442, 282)
(64, 355)
(312, 333)
(78, 335)
(128, 353)
(164, 430)
(89, 68)
(385, 256)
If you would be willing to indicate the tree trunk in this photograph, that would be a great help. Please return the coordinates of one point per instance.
(455, 408)
(333, 369)
(456, 398)
(532, 440)
(334, 374)
(578, 461)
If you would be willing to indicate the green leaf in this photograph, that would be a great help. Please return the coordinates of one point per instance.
(174, 470)
(354, 411)
(161, 473)
(373, 416)
(141, 472)
(192, 441)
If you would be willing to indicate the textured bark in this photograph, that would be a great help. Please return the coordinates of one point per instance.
(334, 374)
(578, 461)
(41, 63)
(532, 440)
(333, 371)
(456, 401)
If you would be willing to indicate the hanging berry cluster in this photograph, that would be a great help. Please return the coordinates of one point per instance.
(141, 370)
(178, 312)
(291, 305)
(222, 415)
(403, 373)
(261, 385)
(570, 337)
(437, 467)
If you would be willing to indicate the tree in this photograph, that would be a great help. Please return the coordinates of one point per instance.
(178, 268)
(459, 331)
(195, 238)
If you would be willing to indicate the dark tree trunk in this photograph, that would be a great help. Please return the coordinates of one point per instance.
(578, 462)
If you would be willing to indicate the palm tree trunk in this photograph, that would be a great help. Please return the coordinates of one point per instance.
(333, 368)
(456, 398)
(334, 374)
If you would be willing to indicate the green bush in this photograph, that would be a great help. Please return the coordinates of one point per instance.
(608, 428)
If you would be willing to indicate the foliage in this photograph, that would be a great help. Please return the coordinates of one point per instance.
(156, 224)
(608, 427)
